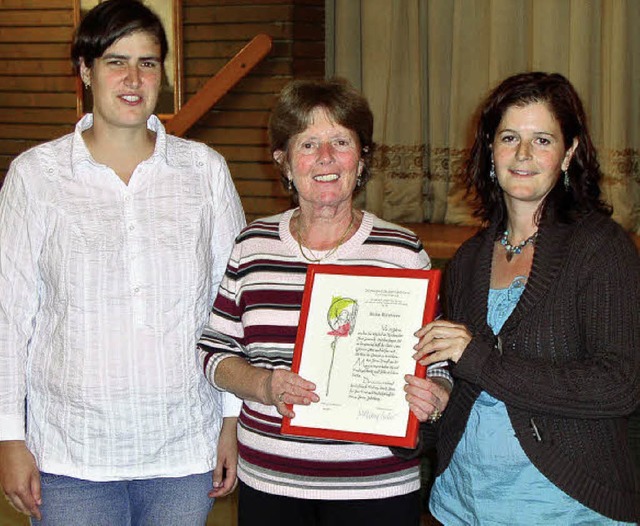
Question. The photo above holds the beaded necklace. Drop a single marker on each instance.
(314, 258)
(511, 250)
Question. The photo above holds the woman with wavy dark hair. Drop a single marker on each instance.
(542, 327)
(583, 175)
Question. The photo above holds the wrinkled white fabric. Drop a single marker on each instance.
(104, 290)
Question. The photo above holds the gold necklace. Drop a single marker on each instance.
(332, 251)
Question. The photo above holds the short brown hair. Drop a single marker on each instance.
(110, 21)
(342, 103)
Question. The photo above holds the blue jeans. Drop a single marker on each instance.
(181, 501)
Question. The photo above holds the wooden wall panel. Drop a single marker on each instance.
(37, 86)
(214, 30)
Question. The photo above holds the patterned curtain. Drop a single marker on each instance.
(425, 65)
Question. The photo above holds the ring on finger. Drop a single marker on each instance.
(280, 397)
(435, 416)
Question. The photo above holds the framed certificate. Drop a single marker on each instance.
(355, 342)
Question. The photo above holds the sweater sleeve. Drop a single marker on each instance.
(591, 330)
(223, 335)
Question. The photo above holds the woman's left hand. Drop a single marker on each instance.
(427, 397)
(441, 340)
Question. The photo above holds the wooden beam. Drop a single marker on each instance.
(219, 84)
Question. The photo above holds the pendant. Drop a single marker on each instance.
(510, 250)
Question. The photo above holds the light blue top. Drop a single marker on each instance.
(490, 480)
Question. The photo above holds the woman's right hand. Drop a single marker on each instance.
(427, 397)
(20, 478)
(441, 340)
(283, 387)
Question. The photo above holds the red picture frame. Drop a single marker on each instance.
(377, 286)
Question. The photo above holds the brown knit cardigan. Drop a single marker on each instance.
(566, 363)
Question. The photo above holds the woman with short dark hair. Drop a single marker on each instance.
(113, 240)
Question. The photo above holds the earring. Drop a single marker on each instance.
(359, 181)
(290, 185)
(492, 172)
(565, 179)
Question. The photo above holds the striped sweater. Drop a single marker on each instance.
(256, 316)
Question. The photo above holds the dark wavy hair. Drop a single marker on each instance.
(110, 21)
(562, 100)
(342, 102)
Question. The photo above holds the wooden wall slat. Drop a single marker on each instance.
(264, 171)
(252, 84)
(311, 49)
(28, 50)
(38, 84)
(231, 14)
(246, 101)
(205, 69)
(12, 147)
(305, 31)
(38, 18)
(21, 34)
(308, 68)
(233, 119)
(44, 67)
(237, 136)
(314, 14)
(235, 153)
(261, 188)
(218, 3)
(246, 32)
(37, 116)
(5, 161)
(36, 101)
(271, 85)
(228, 48)
(34, 4)
(262, 206)
(40, 132)
(200, 49)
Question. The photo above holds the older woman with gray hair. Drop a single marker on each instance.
(321, 139)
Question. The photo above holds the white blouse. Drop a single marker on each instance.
(104, 291)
